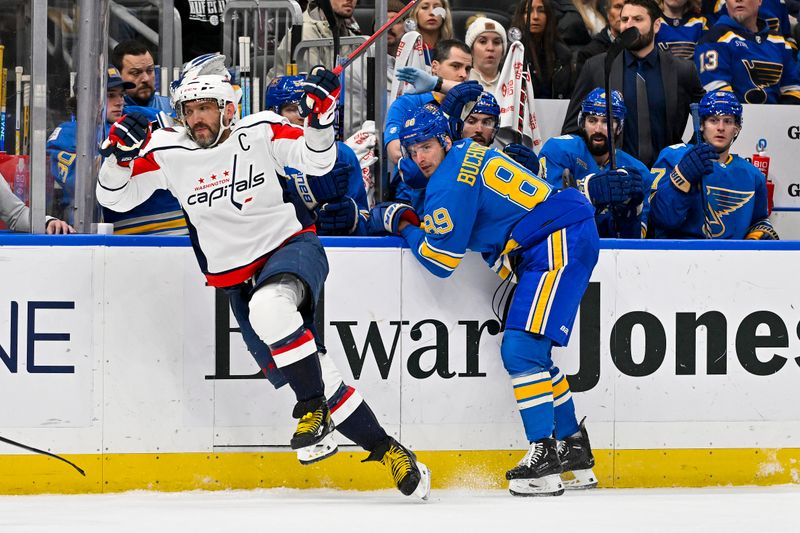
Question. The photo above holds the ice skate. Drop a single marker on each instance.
(410, 476)
(538, 473)
(576, 458)
(313, 440)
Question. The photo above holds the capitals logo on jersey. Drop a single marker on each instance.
(227, 185)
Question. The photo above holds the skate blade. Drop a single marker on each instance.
(423, 489)
(319, 451)
(580, 480)
(544, 486)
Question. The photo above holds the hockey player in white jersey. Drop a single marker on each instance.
(256, 241)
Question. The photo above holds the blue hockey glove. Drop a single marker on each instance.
(695, 163)
(458, 104)
(321, 94)
(524, 156)
(421, 81)
(613, 187)
(126, 137)
(635, 187)
(385, 218)
(316, 190)
(338, 218)
(411, 174)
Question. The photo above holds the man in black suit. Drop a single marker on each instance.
(657, 86)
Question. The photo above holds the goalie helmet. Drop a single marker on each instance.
(720, 103)
(428, 122)
(282, 91)
(595, 104)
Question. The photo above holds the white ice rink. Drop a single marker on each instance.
(724, 510)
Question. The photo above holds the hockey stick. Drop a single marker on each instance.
(698, 138)
(624, 40)
(330, 16)
(355, 54)
(37, 450)
(18, 113)
(2, 100)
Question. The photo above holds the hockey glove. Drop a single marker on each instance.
(318, 106)
(126, 137)
(338, 218)
(609, 187)
(421, 81)
(762, 231)
(385, 218)
(524, 156)
(695, 163)
(410, 173)
(458, 104)
(316, 190)
(635, 187)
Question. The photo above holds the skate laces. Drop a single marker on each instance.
(561, 447)
(310, 421)
(399, 463)
(534, 454)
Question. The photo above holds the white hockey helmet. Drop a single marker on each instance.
(205, 87)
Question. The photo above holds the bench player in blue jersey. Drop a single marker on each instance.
(338, 199)
(617, 195)
(704, 191)
(478, 199)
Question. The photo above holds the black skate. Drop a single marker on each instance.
(410, 476)
(538, 474)
(576, 458)
(313, 440)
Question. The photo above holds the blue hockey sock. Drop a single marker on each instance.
(566, 423)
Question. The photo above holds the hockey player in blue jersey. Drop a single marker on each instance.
(338, 199)
(681, 28)
(478, 199)
(741, 54)
(617, 195)
(704, 191)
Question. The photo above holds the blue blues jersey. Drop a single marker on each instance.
(734, 196)
(355, 188)
(400, 111)
(161, 214)
(474, 200)
(773, 12)
(759, 68)
(156, 101)
(413, 197)
(570, 152)
(680, 36)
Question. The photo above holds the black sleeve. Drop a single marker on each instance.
(583, 86)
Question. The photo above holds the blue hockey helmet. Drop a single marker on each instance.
(720, 103)
(487, 105)
(595, 104)
(283, 90)
(428, 122)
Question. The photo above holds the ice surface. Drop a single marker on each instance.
(725, 510)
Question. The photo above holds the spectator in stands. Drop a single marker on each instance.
(201, 26)
(487, 40)
(658, 87)
(602, 41)
(741, 54)
(549, 59)
(704, 191)
(17, 216)
(315, 26)
(681, 27)
(434, 21)
(136, 65)
(578, 21)
(393, 35)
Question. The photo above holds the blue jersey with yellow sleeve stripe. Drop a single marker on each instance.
(774, 12)
(759, 68)
(571, 153)
(473, 200)
(734, 196)
(680, 36)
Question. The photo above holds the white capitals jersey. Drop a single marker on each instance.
(235, 207)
